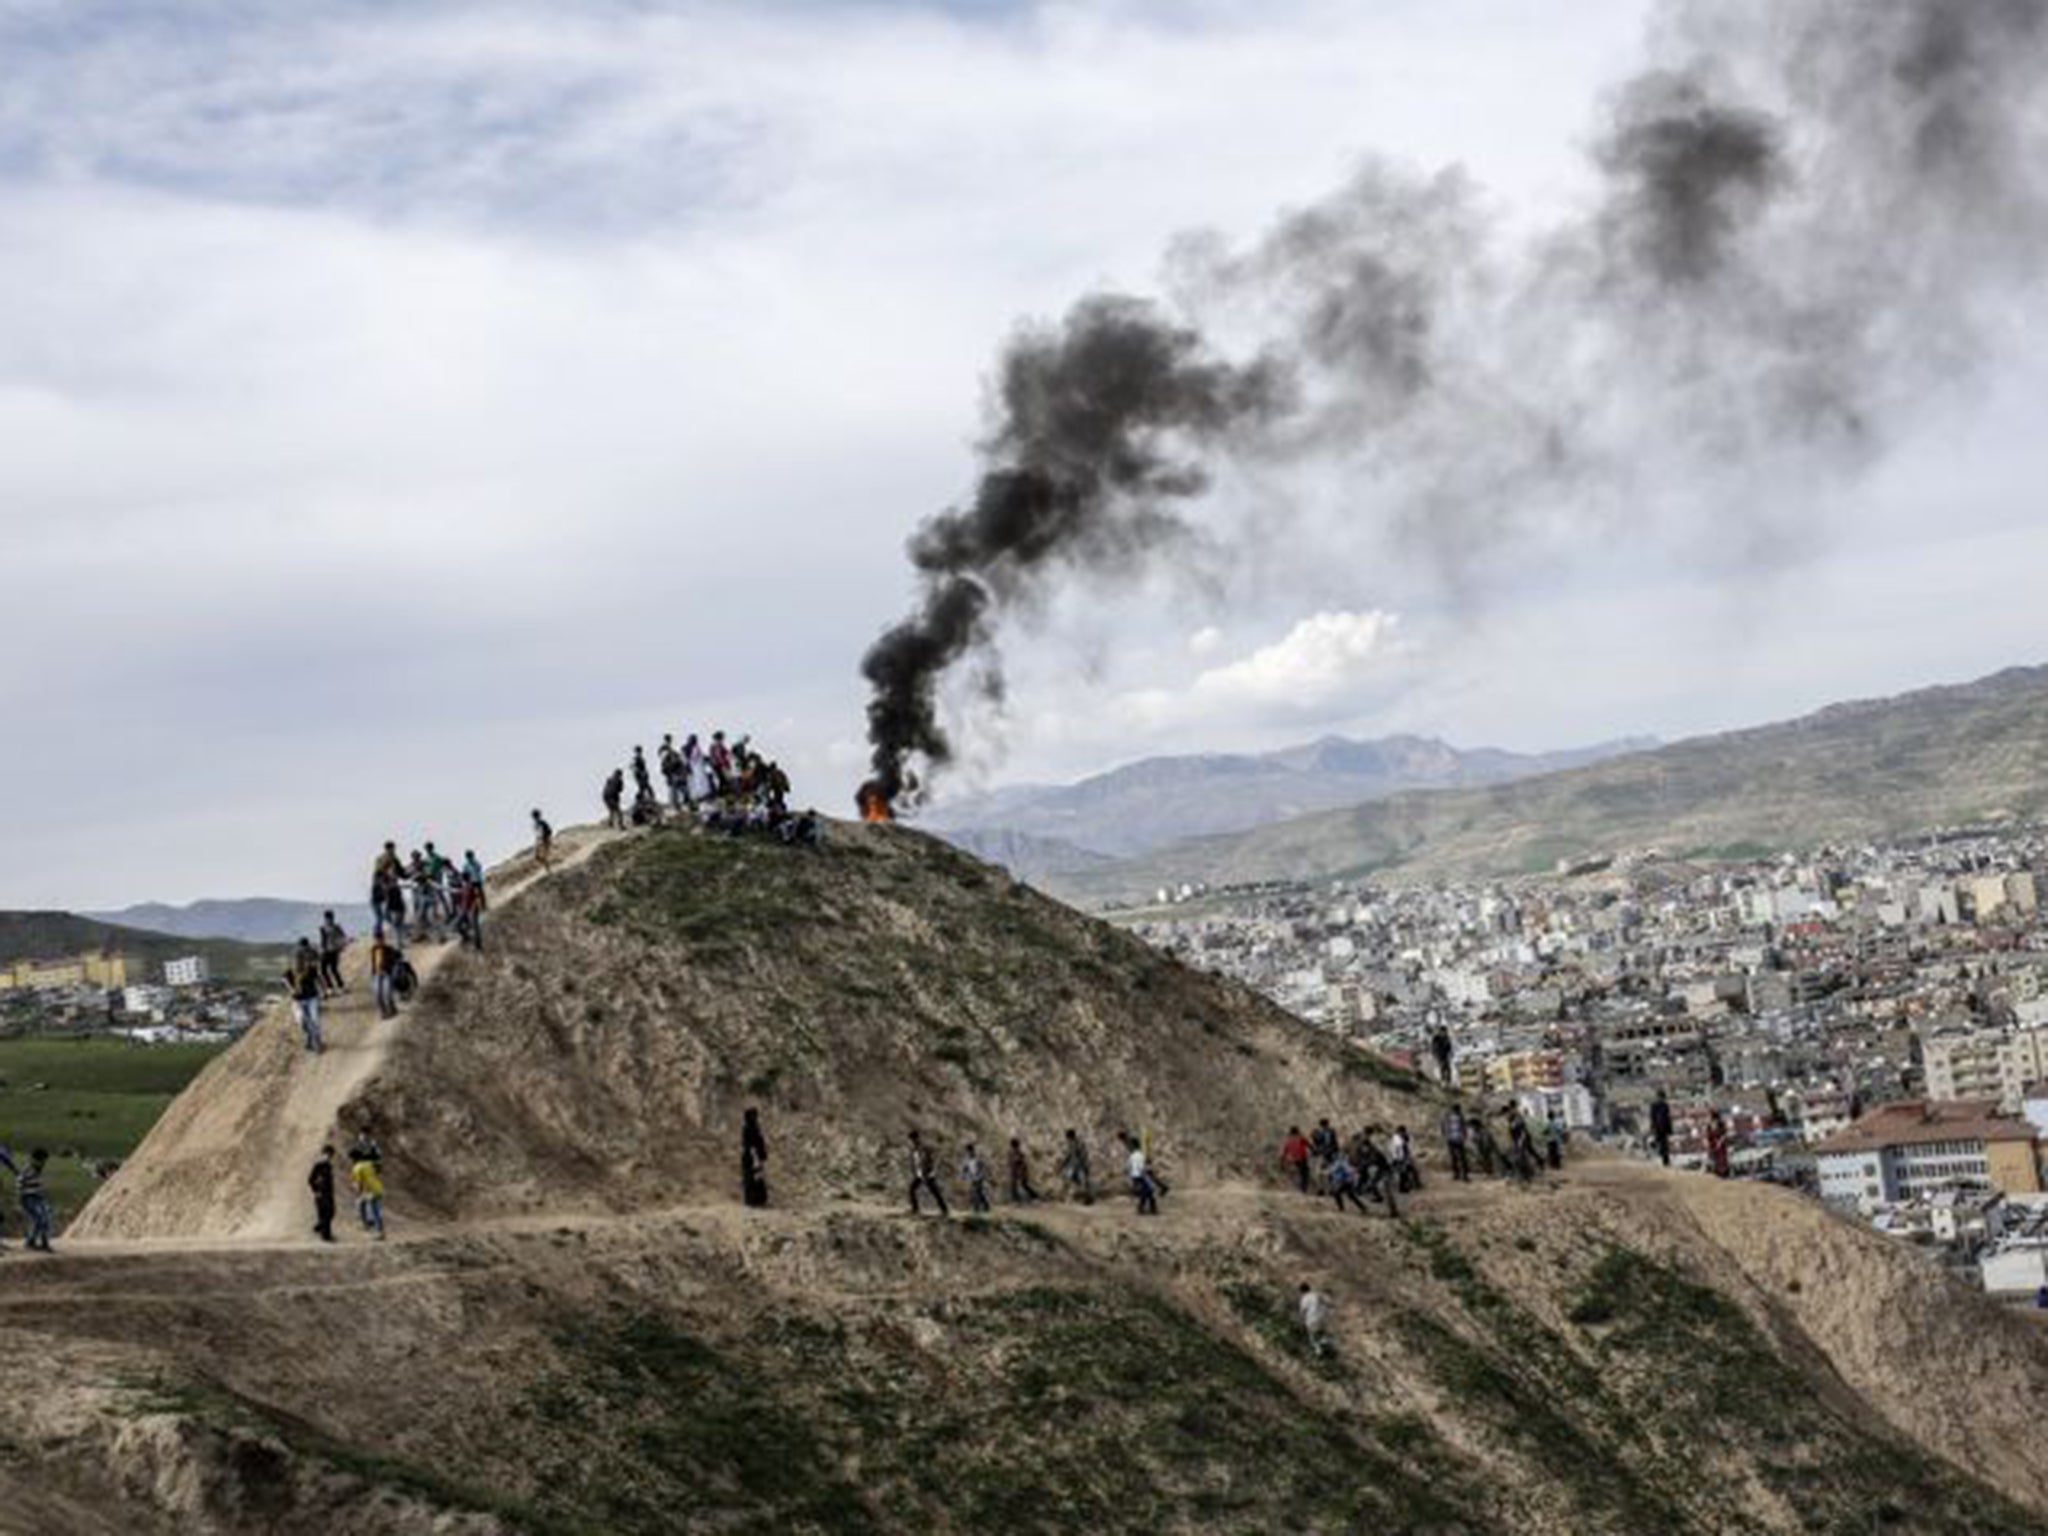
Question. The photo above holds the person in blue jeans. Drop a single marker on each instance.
(35, 1199)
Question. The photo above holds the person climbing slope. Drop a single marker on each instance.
(368, 1181)
(1139, 1169)
(543, 841)
(974, 1174)
(332, 942)
(753, 1160)
(302, 978)
(1294, 1158)
(1315, 1316)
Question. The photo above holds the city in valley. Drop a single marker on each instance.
(1870, 1023)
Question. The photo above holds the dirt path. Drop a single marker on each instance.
(227, 1161)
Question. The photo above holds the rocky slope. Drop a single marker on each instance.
(577, 1329)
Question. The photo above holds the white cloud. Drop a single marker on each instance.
(1321, 661)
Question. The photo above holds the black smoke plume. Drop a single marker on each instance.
(1806, 214)
(1100, 426)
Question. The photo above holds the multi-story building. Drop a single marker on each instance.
(188, 972)
(1913, 1149)
(1976, 1064)
(109, 971)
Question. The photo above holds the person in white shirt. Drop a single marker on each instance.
(1315, 1312)
(1142, 1188)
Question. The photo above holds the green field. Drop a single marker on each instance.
(84, 1100)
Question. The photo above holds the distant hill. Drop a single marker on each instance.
(1151, 804)
(60, 935)
(251, 919)
(1940, 756)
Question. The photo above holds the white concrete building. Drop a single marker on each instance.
(191, 971)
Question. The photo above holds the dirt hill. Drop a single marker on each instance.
(576, 1328)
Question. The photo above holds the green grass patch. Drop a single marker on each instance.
(86, 1100)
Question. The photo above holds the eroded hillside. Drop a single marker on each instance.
(577, 1329)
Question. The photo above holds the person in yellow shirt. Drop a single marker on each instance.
(369, 1187)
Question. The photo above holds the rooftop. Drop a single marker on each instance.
(1911, 1121)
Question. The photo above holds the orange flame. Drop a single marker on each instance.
(874, 805)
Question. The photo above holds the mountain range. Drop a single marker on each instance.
(249, 920)
(1064, 829)
(60, 935)
(1940, 756)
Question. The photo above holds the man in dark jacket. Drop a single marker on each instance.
(321, 1182)
(1660, 1127)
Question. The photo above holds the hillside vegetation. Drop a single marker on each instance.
(1941, 756)
(577, 1329)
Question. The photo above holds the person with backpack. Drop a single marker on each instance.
(753, 1160)
(543, 841)
(302, 978)
(1294, 1158)
(974, 1174)
(33, 1192)
(1322, 1146)
(321, 1182)
(1021, 1192)
(1074, 1171)
(924, 1176)
(332, 942)
(614, 801)
(1455, 1135)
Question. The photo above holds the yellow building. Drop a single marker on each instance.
(109, 971)
(1518, 1070)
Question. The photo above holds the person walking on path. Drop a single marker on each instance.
(1660, 1127)
(332, 942)
(1401, 1153)
(473, 872)
(1342, 1179)
(1522, 1156)
(1454, 1142)
(368, 1180)
(1553, 1141)
(1440, 1048)
(753, 1160)
(1315, 1317)
(1021, 1192)
(974, 1174)
(924, 1170)
(34, 1195)
(543, 841)
(302, 976)
(1484, 1144)
(321, 1182)
(1294, 1158)
(1323, 1147)
(1143, 1188)
(1074, 1170)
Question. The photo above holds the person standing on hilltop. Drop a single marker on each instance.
(302, 977)
(753, 1160)
(1074, 1170)
(1021, 1192)
(924, 1176)
(1660, 1127)
(473, 872)
(332, 942)
(719, 756)
(543, 841)
(974, 1174)
(614, 799)
(1440, 1048)
(1294, 1158)
(670, 762)
(1717, 1144)
(321, 1182)
(643, 784)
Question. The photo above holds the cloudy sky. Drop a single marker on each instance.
(408, 407)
